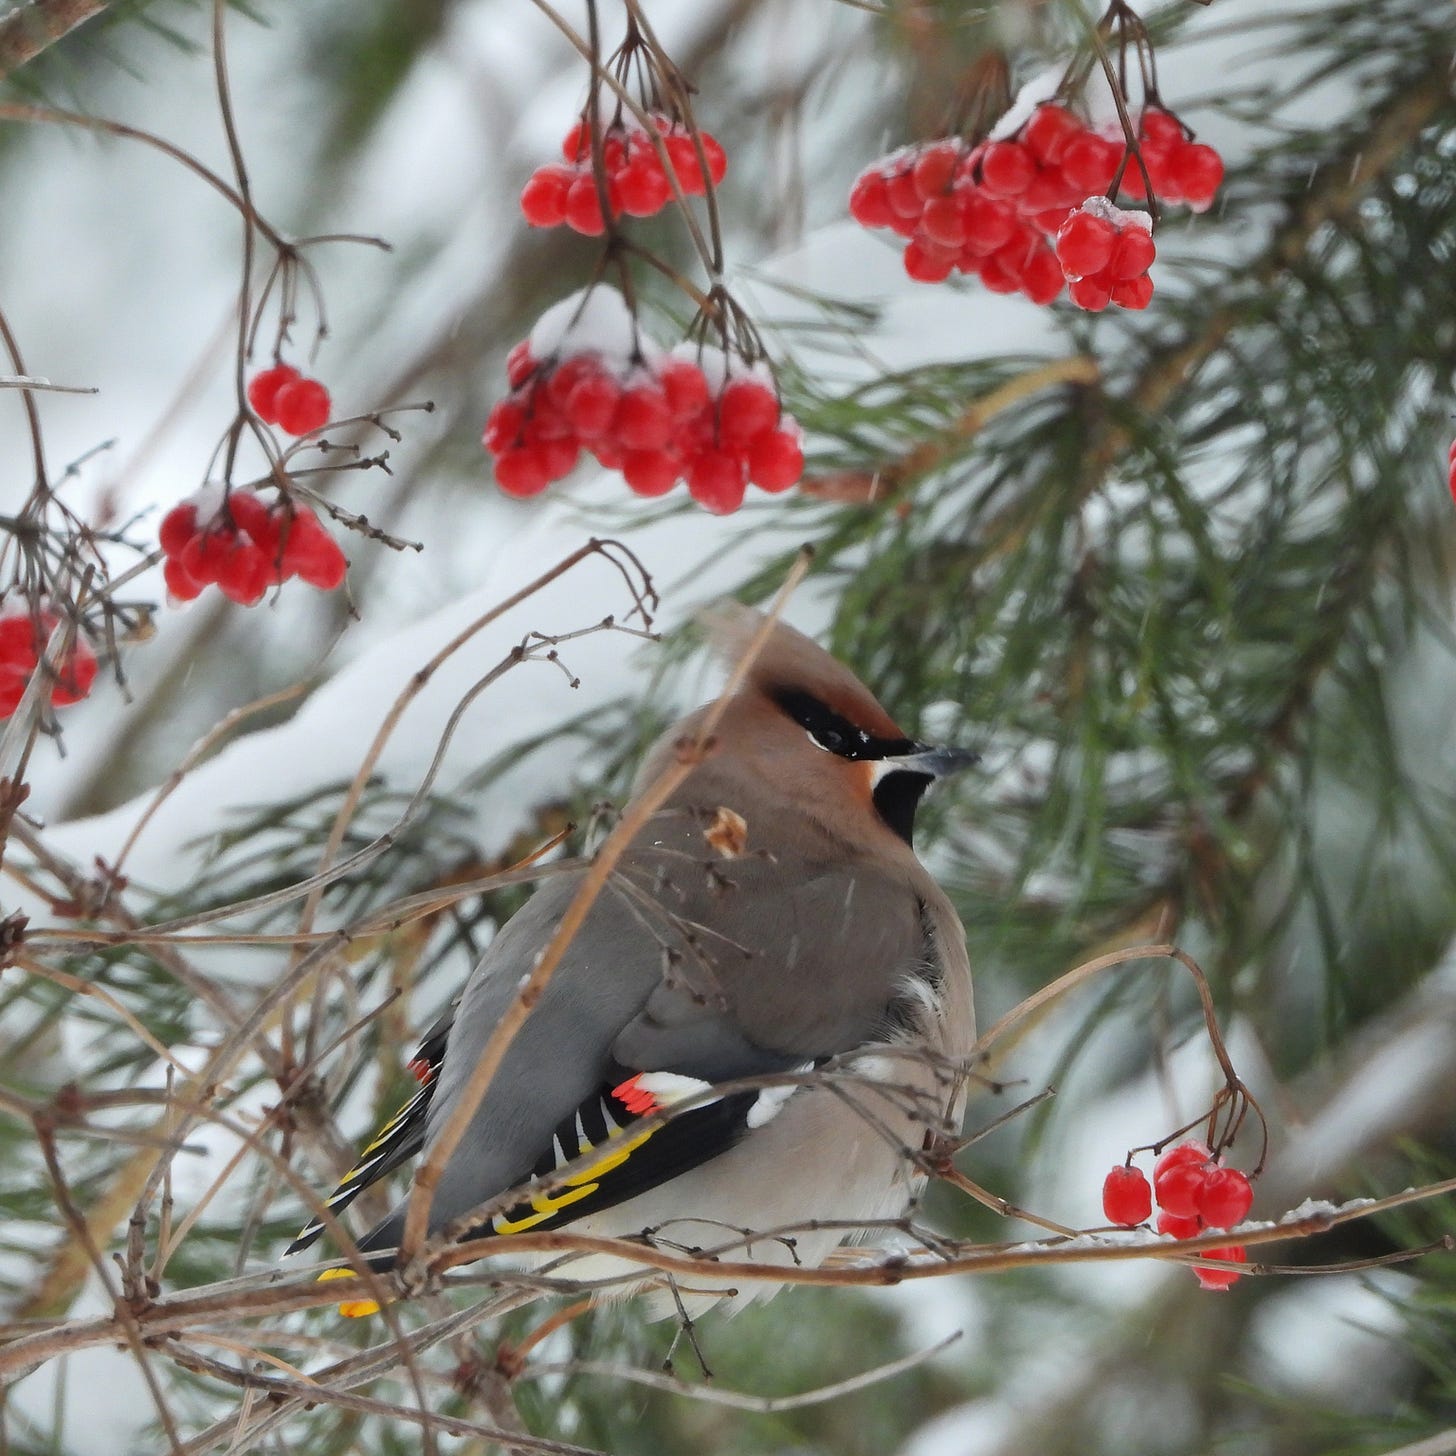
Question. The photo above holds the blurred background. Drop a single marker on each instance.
(1193, 595)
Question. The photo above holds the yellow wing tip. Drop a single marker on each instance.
(351, 1308)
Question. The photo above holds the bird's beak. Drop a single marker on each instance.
(936, 762)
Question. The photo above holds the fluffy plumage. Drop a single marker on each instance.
(823, 944)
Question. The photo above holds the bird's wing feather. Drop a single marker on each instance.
(686, 965)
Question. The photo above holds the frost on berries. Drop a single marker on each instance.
(996, 209)
(281, 396)
(589, 379)
(25, 632)
(637, 183)
(1105, 254)
(1195, 1193)
(242, 545)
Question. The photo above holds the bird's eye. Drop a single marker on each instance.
(830, 738)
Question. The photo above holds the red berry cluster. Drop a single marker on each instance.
(243, 546)
(637, 182)
(1180, 170)
(991, 209)
(281, 396)
(1105, 254)
(1451, 464)
(588, 380)
(1194, 1192)
(23, 638)
(962, 209)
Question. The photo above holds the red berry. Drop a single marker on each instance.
(75, 673)
(1180, 1188)
(746, 408)
(1084, 244)
(934, 169)
(1179, 1227)
(592, 405)
(1200, 171)
(1001, 272)
(685, 165)
(503, 425)
(650, 472)
(584, 207)
(942, 222)
(205, 554)
(905, 200)
(12, 689)
(1089, 163)
(1134, 293)
(643, 187)
(263, 390)
(543, 198)
(245, 574)
(1126, 1197)
(1007, 169)
(1090, 293)
(325, 565)
(1192, 1151)
(644, 418)
(1049, 132)
(302, 407)
(574, 147)
(869, 202)
(17, 642)
(716, 481)
(1041, 275)
(685, 387)
(1050, 222)
(559, 456)
(181, 584)
(776, 460)
(178, 527)
(1225, 1198)
(717, 157)
(927, 262)
(1160, 128)
(1049, 188)
(520, 364)
(1221, 1278)
(989, 223)
(522, 471)
(1133, 254)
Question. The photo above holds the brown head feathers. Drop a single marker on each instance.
(790, 663)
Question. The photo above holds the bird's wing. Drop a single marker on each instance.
(397, 1141)
(690, 971)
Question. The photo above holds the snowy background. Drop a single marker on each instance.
(118, 271)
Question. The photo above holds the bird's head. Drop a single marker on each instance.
(804, 730)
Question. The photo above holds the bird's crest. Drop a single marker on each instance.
(791, 662)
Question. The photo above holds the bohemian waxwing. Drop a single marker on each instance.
(823, 948)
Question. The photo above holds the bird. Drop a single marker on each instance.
(771, 921)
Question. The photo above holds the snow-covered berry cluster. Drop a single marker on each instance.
(1195, 1193)
(959, 216)
(241, 545)
(992, 209)
(637, 182)
(281, 396)
(587, 378)
(24, 634)
(1105, 254)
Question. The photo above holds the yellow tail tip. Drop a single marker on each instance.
(351, 1308)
